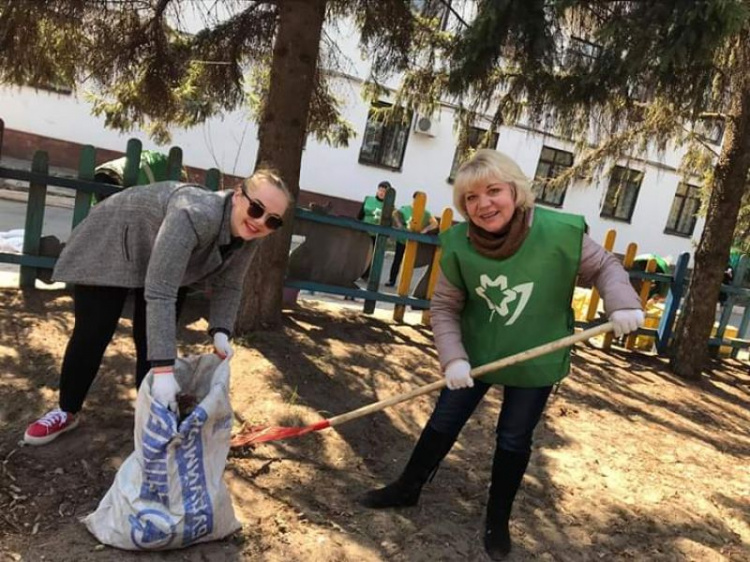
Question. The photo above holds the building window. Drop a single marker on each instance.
(684, 210)
(474, 138)
(54, 86)
(581, 53)
(433, 9)
(710, 129)
(622, 194)
(551, 163)
(384, 143)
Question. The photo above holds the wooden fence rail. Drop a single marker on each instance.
(39, 179)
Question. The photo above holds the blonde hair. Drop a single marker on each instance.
(487, 165)
(272, 177)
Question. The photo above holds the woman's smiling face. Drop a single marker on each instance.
(272, 200)
(490, 204)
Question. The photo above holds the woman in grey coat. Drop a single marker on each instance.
(155, 241)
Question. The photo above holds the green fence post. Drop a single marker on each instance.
(132, 163)
(742, 329)
(174, 164)
(737, 281)
(86, 166)
(672, 304)
(32, 233)
(213, 179)
(728, 306)
(378, 254)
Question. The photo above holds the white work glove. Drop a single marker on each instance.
(221, 345)
(164, 387)
(627, 320)
(457, 374)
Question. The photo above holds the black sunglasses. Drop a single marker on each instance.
(256, 210)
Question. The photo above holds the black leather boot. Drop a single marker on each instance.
(507, 473)
(404, 492)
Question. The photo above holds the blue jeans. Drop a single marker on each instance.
(521, 410)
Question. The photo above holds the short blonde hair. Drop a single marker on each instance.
(487, 165)
(272, 177)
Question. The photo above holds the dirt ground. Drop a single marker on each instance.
(630, 463)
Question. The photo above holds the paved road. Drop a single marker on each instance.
(57, 220)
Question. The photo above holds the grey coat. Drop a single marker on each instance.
(160, 237)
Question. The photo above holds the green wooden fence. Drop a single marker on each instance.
(39, 179)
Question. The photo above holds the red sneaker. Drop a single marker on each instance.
(49, 426)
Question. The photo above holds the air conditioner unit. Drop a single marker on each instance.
(425, 125)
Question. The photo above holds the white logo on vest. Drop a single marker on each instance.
(507, 296)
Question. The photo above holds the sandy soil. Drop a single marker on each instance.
(630, 462)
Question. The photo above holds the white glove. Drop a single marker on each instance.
(457, 374)
(164, 388)
(627, 320)
(221, 345)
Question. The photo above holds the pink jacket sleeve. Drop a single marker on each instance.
(606, 273)
(445, 315)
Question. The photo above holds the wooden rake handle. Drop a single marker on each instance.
(477, 372)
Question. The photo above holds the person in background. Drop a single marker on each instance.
(154, 168)
(505, 285)
(401, 219)
(154, 241)
(371, 212)
(726, 279)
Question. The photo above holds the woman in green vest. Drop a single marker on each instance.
(372, 207)
(371, 212)
(506, 283)
(401, 219)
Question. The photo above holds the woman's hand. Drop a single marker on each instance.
(458, 374)
(627, 320)
(164, 387)
(221, 345)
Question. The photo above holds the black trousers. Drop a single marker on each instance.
(97, 311)
(398, 257)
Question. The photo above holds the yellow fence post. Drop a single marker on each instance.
(609, 243)
(446, 221)
(645, 290)
(627, 263)
(410, 254)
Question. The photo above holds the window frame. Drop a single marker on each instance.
(540, 198)
(702, 127)
(395, 128)
(684, 198)
(456, 153)
(576, 48)
(423, 7)
(614, 184)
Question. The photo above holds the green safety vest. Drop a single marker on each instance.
(373, 210)
(153, 167)
(519, 302)
(407, 211)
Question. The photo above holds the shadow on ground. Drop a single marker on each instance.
(620, 439)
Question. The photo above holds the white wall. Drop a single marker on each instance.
(217, 143)
(230, 144)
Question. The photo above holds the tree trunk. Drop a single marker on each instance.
(690, 351)
(282, 136)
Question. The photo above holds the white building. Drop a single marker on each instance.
(653, 209)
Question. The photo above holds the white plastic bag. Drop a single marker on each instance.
(169, 493)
